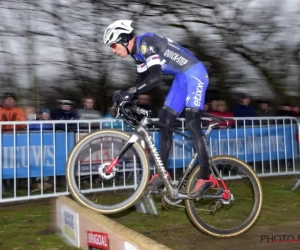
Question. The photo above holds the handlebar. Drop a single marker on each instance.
(129, 110)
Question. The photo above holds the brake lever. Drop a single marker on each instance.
(113, 108)
(118, 112)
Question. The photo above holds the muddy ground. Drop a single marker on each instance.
(277, 228)
(185, 237)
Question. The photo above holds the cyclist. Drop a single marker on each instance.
(154, 55)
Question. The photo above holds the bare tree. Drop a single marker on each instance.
(58, 45)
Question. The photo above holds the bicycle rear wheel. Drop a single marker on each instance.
(100, 193)
(232, 217)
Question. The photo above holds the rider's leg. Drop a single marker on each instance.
(173, 106)
(167, 117)
(193, 125)
(197, 82)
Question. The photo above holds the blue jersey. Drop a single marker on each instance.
(191, 79)
(152, 48)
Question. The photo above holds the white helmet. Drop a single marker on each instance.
(118, 31)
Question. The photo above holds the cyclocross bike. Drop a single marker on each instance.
(108, 171)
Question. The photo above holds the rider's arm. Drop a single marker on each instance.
(150, 74)
(142, 73)
(153, 78)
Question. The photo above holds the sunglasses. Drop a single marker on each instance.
(113, 45)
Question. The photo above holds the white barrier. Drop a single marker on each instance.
(88, 229)
(270, 145)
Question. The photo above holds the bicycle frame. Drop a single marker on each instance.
(142, 130)
(99, 197)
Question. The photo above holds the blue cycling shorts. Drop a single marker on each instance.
(188, 89)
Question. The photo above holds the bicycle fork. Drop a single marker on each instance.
(109, 171)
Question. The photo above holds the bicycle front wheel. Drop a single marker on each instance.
(104, 194)
(226, 217)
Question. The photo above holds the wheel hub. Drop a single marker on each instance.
(102, 172)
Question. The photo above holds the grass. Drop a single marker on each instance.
(31, 226)
(280, 206)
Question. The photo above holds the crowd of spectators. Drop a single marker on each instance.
(9, 111)
(245, 107)
(64, 111)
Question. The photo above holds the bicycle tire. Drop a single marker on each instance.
(71, 169)
(198, 220)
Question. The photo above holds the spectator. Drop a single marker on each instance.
(244, 109)
(206, 107)
(213, 105)
(285, 109)
(43, 115)
(10, 112)
(264, 109)
(296, 111)
(30, 113)
(88, 113)
(222, 111)
(64, 112)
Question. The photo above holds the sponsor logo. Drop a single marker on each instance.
(175, 57)
(69, 228)
(98, 240)
(144, 48)
(198, 94)
(70, 225)
(155, 154)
